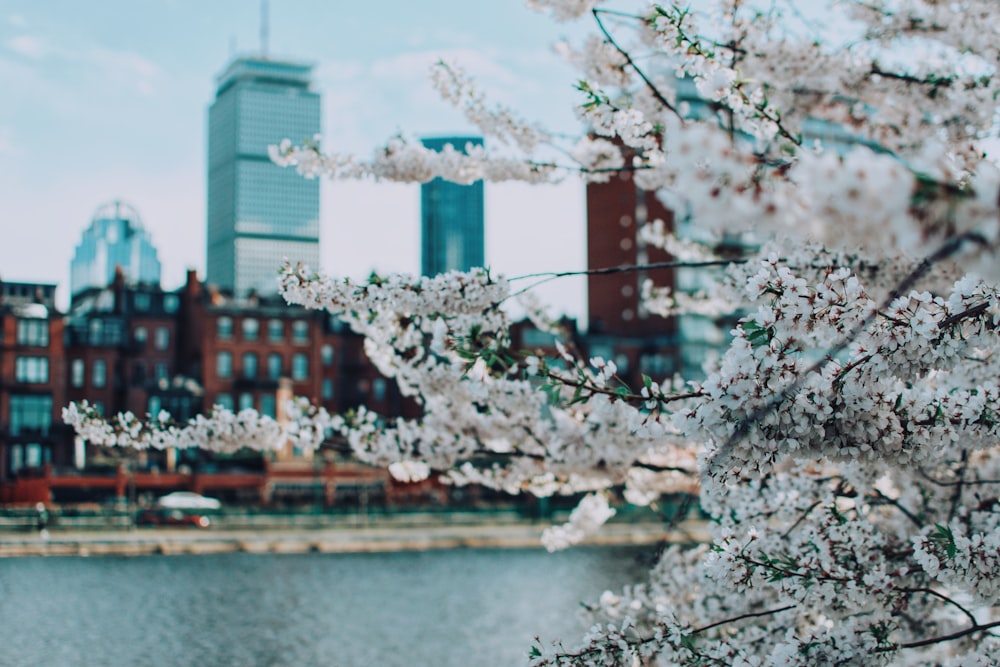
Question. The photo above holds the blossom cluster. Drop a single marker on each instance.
(845, 443)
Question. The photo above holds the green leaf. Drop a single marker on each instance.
(757, 335)
(944, 539)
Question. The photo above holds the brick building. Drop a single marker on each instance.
(619, 328)
(238, 349)
(121, 343)
(32, 390)
(139, 348)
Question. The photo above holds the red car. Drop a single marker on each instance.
(162, 517)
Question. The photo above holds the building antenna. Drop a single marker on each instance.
(263, 28)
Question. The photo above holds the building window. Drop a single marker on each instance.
(378, 389)
(162, 338)
(154, 406)
(140, 335)
(139, 372)
(16, 458)
(300, 331)
(30, 414)
(96, 332)
(275, 331)
(34, 370)
(224, 401)
(77, 372)
(224, 328)
(250, 365)
(142, 304)
(274, 365)
(246, 401)
(99, 373)
(326, 389)
(170, 303)
(33, 332)
(326, 354)
(300, 366)
(251, 329)
(161, 372)
(31, 455)
(224, 364)
(267, 405)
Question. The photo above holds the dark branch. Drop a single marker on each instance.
(959, 482)
(756, 614)
(649, 84)
(624, 268)
(945, 638)
(944, 598)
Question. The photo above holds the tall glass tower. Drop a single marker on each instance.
(259, 213)
(451, 218)
(114, 239)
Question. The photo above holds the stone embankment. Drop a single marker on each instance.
(172, 541)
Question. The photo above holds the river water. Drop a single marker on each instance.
(437, 608)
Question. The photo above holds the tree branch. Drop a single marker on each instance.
(625, 268)
(944, 598)
(944, 252)
(649, 84)
(944, 638)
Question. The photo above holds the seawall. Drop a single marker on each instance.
(174, 541)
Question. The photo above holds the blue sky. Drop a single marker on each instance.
(108, 99)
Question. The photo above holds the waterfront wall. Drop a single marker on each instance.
(378, 538)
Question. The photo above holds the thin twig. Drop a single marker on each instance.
(756, 614)
(959, 482)
(944, 598)
(944, 638)
(886, 500)
(625, 268)
(649, 84)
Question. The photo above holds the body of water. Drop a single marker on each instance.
(436, 608)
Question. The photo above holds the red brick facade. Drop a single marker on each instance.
(618, 327)
(32, 372)
(139, 348)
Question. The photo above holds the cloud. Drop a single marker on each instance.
(17, 21)
(106, 63)
(120, 60)
(339, 71)
(416, 64)
(28, 46)
(122, 65)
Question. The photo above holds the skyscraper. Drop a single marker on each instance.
(115, 238)
(259, 213)
(451, 218)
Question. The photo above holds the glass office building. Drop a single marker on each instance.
(259, 213)
(452, 228)
(115, 239)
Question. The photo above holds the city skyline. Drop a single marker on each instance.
(107, 108)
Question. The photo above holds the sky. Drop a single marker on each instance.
(108, 99)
